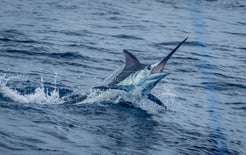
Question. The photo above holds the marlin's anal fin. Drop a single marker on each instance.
(156, 100)
(130, 60)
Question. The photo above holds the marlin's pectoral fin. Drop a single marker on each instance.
(119, 87)
(102, 88)
(155, 99)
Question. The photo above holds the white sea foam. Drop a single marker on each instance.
(39, 96)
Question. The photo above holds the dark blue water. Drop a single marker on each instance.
(53, 50)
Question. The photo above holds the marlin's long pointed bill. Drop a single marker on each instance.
(160, 67)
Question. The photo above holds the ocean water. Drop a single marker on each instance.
(51, 51)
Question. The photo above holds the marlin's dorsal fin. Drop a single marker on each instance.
(131, 65)
(130, 60)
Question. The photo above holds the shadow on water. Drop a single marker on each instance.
(116, 128)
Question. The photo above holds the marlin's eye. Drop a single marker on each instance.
(148, 67)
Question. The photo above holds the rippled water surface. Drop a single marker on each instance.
(53, 50)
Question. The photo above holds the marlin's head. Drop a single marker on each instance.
(139, 75)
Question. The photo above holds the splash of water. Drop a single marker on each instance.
(39, 96)
(111, 76)
(166, 94)
(43, 96)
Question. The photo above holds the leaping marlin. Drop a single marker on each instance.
(140, 77)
